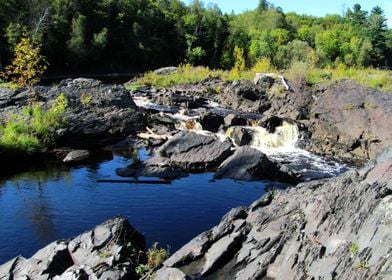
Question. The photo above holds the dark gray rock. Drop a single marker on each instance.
(157, 166)
(233, 119)
(76, 156)
(246, 164)
(294, 103)
(271, 123)
(328, 229)
(244, 96)
(250, 164)
(211, 121)
(109, 251)
(195, 152)
(184, 142)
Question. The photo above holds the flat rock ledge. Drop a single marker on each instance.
(339, 228)
(109, 251)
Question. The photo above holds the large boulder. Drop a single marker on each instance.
(250, 164)
(211, 121)
(109, 251)
(328, 229)
(196, 152)
(350, 120)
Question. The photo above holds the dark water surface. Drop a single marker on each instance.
(38, 207)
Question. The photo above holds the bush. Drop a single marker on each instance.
(27, 66)
(34, 129)
(263, 66)
(155, 257)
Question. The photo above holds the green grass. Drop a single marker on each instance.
(8, 85)
(34, 129)
(155, 257)
(353, 249)
(369, 77)
(188, 75)
(133, 86)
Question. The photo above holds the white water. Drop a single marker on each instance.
(280, 146)
(282, 140)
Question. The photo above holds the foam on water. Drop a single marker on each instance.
(145, 102)
(282, 140)
(281, 146)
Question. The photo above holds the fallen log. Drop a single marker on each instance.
(152, 136)
(148, 182)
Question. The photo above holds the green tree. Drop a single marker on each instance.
(77, 43)
(377, 28)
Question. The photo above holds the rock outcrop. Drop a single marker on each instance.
(109, 251)
(350, 120)
(339, 228)
(95, 111)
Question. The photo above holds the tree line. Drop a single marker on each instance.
(134, 35)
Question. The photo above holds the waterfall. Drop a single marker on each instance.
(283, 139)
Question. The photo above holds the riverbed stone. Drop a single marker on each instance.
(76, 156)
(250, 164)
(94, 110)
(211, 121)
(195, 152)
(245, 164)
(159, 167)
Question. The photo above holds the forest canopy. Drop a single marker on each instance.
(136, 35)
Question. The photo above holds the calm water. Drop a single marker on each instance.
(40, 206)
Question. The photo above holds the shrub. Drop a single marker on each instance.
(239, 63)
(28, 64)
(263, 66)
(155, 257)
(34, 129)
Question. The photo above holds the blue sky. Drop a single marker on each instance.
(312, 7)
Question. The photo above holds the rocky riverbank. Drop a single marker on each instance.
(339, 228)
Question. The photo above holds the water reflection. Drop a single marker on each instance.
(39, 211)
